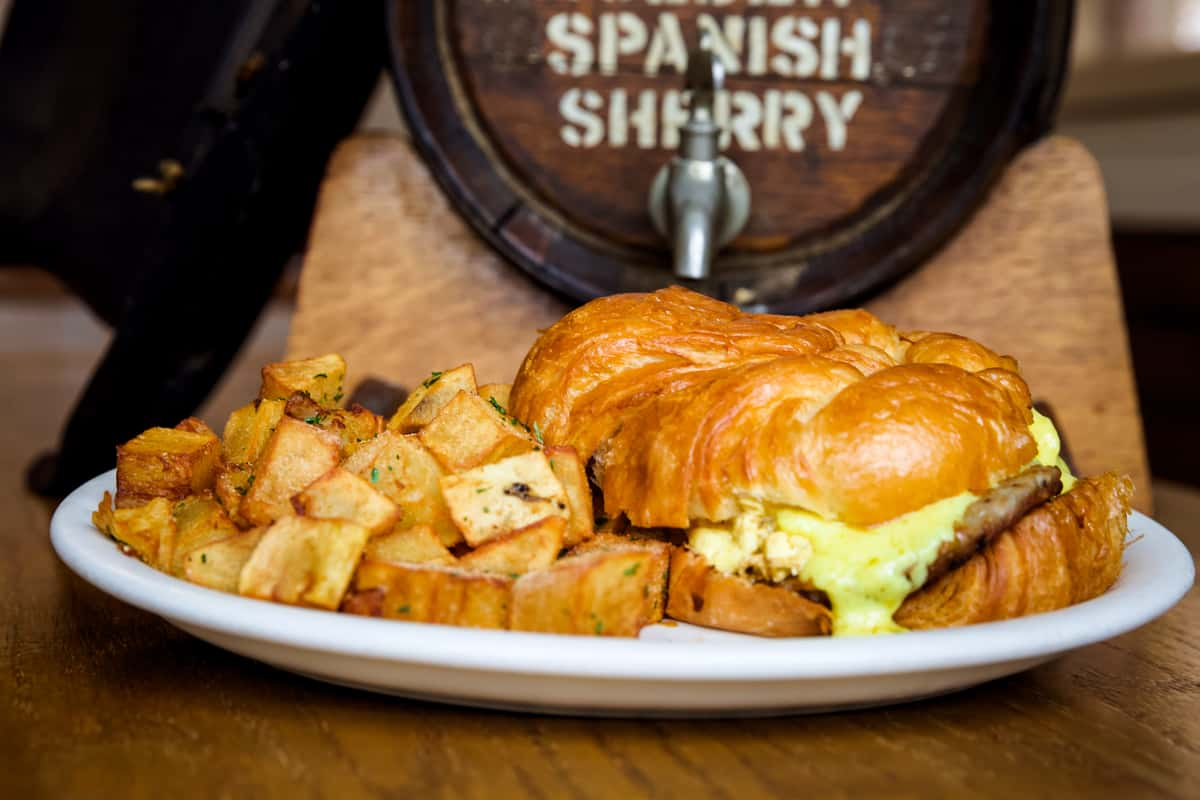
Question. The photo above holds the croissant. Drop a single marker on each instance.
(774, 440)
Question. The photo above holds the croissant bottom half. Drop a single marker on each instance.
(1063, 552)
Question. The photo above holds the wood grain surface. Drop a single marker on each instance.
(868, 131)
(396, 282)
(100, 700)
(927, 50)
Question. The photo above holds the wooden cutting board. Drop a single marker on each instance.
(395, 281)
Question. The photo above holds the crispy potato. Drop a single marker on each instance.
(495, 499)
(199, 519)
(218, 564)
(497, 393)
(427, 400)
(230, 486)
(295, 456)
(165, 462)
(321, 378)
(416, 545)
(532, 547)
(425, 593)
(194, 425)
(658, 561)
(402, 470)
(304, 561)
(568, 468)
(147, 531)
(354, 425)
(468, 432)
(339, 494)
(605, 593)
(248, 429)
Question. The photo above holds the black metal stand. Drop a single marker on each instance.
(176, 231)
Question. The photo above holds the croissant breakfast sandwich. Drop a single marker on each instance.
(822, 474)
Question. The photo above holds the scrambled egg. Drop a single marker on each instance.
(866, 572)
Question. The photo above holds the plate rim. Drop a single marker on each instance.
(93, 557)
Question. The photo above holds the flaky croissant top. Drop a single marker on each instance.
(690, 405)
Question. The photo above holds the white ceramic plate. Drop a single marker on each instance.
(669, 671)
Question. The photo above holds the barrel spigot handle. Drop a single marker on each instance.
(699, 200)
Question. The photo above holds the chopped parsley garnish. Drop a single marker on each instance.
(243, 489)
(404, 609)
(599, 627)
(431, 380)
(481, 490)
(496, 405)
(315, 419)
(204, 558)
(337, 397)
(320, 375)
(633, 568)
(374, 475)
(537, 433)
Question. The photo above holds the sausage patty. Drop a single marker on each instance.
(995, 513)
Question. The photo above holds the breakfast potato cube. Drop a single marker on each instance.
(657, 565)
(218, 564)
(402, 470)
(532, 547)
(295, 456)
(568, 468)
(417, 545)
(321, 378)
(230, 486)
(194, 425)
(495, 499)
(496, 394)
(424, 593)
(354, 425)
(248, 429)
(468, 432)
(427, 400)
(165, 462)
(147, 531)
(605, 593)
(339, 494)
(304, 561)
(199, 519)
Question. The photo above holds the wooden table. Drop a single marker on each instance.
(100, 700)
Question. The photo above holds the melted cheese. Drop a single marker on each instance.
(866, 572)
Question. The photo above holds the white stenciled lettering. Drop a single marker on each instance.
(747, 116)
(726, 41)
(674, 114)
(577, 107)
(621, 34)
(799, 117)
(570, 32)
(858, 47)
(794, 36)
(756, 46)
(667, 46)
(836, 114)
(644, 120)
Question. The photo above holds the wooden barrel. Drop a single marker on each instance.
(868, 129)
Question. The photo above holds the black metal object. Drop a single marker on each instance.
(185, 185)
